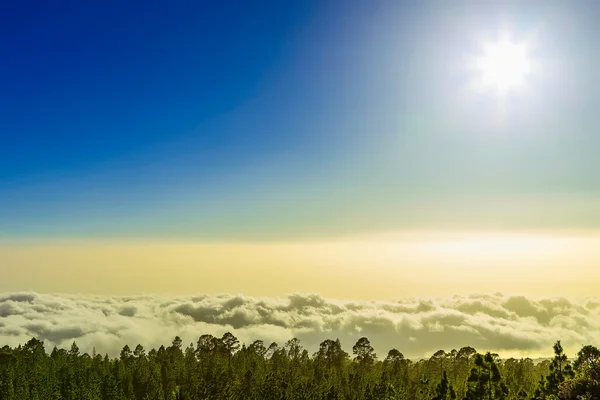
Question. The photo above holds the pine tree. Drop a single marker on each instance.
(485, 381)
(444, 390)
(7, 370)
(560, 371)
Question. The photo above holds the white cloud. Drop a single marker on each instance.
(416, 327)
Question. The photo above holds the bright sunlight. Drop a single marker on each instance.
(504, 65)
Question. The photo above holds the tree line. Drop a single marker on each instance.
(221, 368)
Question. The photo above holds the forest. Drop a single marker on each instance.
(223, 368)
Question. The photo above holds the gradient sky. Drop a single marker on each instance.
(292, 123)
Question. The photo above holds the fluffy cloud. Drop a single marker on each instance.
(417, 327)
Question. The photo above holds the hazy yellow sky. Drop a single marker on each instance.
(383, 266)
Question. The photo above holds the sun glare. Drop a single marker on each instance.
(504, 65)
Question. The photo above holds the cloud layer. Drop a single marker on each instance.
(509, 325)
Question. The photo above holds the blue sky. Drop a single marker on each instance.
(273, 119)
(95, 82)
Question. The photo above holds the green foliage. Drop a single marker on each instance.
(580, 388)
(364, 352)
(559, 370)
(485, 380)
(444, 390)
(221, 368)
(587, 363)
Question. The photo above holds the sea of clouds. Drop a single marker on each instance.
(509, 325)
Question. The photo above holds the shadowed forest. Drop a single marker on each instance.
(222, 368)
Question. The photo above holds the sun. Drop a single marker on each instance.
(503, 65)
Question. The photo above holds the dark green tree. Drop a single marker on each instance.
(464, 359)
(559, 370)
(587, 363)
(231, 345)
(7, 371)
(444, 391)
(364, 352)
(437, 359)
(579, 389)
(485, 381)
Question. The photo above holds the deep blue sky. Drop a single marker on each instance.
(86, 82)
(231, 118)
